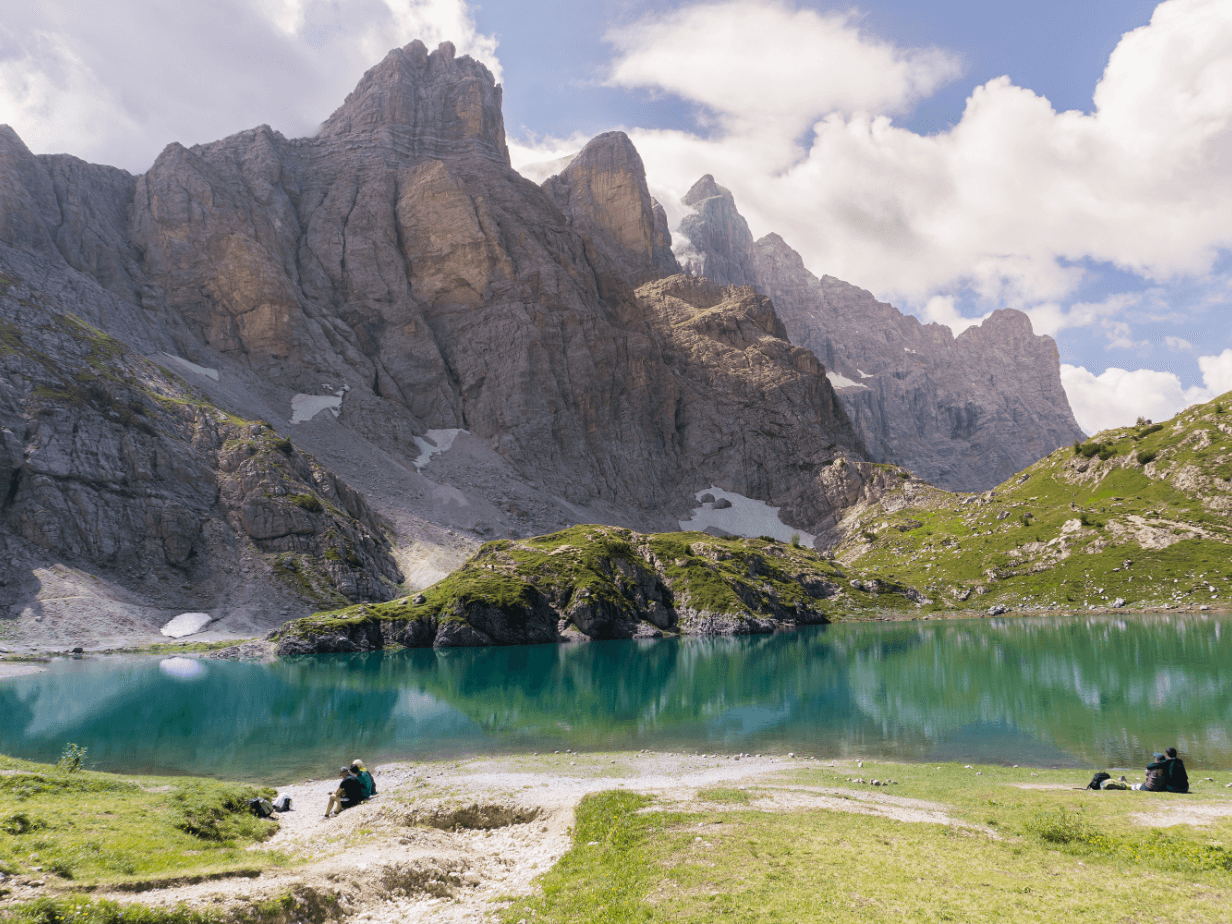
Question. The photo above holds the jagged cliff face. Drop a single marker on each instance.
(603, 194)
(396, 268)
(963, 412)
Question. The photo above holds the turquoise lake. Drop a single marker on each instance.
(1085, 692)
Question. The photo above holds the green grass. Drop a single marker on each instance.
(85, 828)
(1010, 854)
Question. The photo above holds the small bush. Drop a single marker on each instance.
(217, 813)
(1087, 450)
(795, 539)
(1059, 827)
(283, 444)
(1147, 456)
(21, 823)
(73, 758)
(309, 502)
(1154, 428)
(870, 536)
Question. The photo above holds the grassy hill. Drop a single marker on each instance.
(1140, 514)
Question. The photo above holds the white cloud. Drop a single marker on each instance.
(1177, 344)
(1118, 397)
(815, 64)
(940, 310)
(1217, 372)
(1010, 201)
(116, 82)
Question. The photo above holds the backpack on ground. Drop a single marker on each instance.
(261, 807)
(282, 804)
(1097, 779)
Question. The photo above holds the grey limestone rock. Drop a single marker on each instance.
(603, 194)
(963, 412)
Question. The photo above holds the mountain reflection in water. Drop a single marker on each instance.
(1085, 692)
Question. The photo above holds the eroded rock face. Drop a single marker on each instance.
(963, 412)
(603, 194)
(106, 460)
(756, 413)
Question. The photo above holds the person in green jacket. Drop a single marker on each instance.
(365, 779)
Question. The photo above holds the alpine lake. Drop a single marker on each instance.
(1063, 691)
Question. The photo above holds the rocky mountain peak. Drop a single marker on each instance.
(448, 105)
(964, 412)
(706, 188)
(718, 243)
(603, 194)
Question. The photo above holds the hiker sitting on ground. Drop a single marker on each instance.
(1175, 777)
(350, 792)
(1155, 780)
(365, 779)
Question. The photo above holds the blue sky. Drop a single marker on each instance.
(951, 157)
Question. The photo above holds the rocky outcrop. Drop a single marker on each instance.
(590, 582)
(603, 194)
(756, 413)
(963, 412)
(108, 461)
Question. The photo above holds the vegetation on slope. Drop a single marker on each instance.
(77, 829)
(1135, 517)
(606, 582)
(1137, 514)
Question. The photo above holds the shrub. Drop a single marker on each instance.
(795, 539)
(1059, 827)
(72, 759)
(217, 813)
(283, 444)
(309, 502)
(1147, 456)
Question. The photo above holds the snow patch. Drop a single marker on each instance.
(745, 517)
(841, 381)
(186, 624)
(306, 407)
(864, 375)
(184, 668)
(181, 363)
(432, 442)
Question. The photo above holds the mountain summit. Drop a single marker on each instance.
(436, 104)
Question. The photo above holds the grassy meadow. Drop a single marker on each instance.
(1006, 853)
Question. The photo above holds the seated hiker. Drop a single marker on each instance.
(365, 778)
(350, 792)
(1154, 781)
(1175, 777)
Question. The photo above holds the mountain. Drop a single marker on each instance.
(466, 351)
(963, 412)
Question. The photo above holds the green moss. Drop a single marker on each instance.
(309, 502)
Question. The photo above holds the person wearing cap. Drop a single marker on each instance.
(350, 792)
(1155, 781)
(365, 778)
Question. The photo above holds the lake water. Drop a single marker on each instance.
(1083, 692)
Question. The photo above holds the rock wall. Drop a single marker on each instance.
(963, 412)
